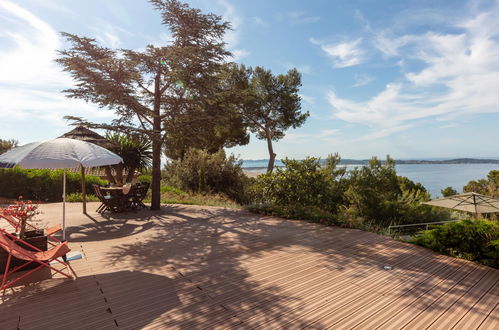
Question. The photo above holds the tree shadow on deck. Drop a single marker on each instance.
(124, 299)
(227, 254)
(104, 228)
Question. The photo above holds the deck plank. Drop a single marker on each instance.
(199, 267)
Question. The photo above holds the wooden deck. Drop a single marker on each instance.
(198, 267)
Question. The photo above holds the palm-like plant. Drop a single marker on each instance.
(136, 153)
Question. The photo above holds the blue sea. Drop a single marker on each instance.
(434, 177)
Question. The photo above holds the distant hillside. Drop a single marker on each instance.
(263, 162)
(422, 161)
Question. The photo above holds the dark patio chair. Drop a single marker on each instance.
(137, 194)
(111, 203)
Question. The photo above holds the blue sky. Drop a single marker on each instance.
(413, 79)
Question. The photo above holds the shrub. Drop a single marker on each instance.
(305, 183)
(41, 185)
(380, 198)
(476, 240)
(370, 197)
(202, 172)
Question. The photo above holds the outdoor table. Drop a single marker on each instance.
(120, 194)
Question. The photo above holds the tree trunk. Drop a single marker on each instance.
(270, 166)
(156, 148)
(119, 168)
(131, 173)
(109, 174)
(156, 166)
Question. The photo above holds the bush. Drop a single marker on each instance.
(380, 198)
(304, 183)
(202, 172)
(476, 240)
(370, 197)
(41, 185)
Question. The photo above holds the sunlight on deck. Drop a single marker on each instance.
(202, 267)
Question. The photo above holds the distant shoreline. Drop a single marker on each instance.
(247, 164)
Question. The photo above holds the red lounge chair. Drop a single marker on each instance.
(9, 243)
(16, 223)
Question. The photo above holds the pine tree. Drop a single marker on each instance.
(150, 90)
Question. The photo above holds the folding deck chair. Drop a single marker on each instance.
(16, 223)
(138, 194)
(106, 201)
(10, 244)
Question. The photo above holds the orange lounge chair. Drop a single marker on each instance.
(16, 223)
(9, 243)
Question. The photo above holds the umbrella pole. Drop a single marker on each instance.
(64, 206)
(83, 190)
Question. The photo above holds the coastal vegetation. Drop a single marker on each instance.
(370, 197)
(489, 186)
(475, 240)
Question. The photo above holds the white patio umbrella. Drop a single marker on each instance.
(468, 202)
(60, 153)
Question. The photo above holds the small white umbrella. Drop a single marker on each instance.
(469, 202)
(59, 153)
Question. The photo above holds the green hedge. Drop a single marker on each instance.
(476, 240)
(41, 185)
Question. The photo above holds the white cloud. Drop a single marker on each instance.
(238, 54)
(109, 34)
(459, 77)
(259, 21)
(362, 80)
(232, 37)
(308, 99)
(299, 17)
(30, 80)
(328, 133)
(304, 69)
(28, 49)
(343, 54)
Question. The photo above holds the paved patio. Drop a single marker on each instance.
(199, 267)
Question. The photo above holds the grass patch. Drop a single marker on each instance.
(172, 190)
(78, 198)
(172, 195)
